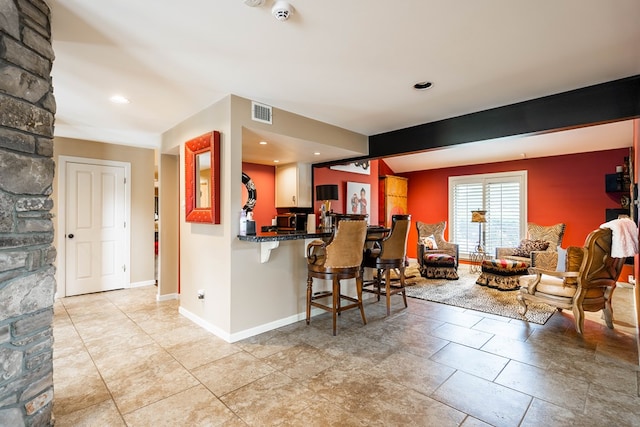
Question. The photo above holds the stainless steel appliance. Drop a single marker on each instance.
(291, 222)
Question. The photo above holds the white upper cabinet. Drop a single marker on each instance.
(293, 186)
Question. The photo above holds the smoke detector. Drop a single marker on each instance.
(281, 10)
(254, 3)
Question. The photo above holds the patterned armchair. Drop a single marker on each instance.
(425, 231)
(586, 285)
(528, 253)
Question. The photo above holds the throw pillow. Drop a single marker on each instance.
(527, 246)
(549, 233)
(429, 242)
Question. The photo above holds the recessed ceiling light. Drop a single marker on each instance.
(316, 154)
(119, 99)
(422, 85)
(263, 143)
(276, 161)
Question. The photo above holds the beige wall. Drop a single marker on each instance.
(142, 197)
(242, 296)
(169, 198)
(265, 296)
(204, 248)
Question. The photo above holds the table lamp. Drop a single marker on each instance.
(326, 193)
(479, 217)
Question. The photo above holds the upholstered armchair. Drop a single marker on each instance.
(431, 241)
(530, 250)
(587, 284)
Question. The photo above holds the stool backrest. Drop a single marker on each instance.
(394, 246)
(347, 245)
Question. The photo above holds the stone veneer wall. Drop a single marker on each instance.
(27, 282)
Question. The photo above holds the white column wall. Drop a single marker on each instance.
(243, 297)
(205, 258)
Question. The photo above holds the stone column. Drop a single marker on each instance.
(27, 282)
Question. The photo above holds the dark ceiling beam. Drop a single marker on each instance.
(606, 102)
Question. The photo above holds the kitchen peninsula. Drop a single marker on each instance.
(271, 240)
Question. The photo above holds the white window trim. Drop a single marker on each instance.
(521, 176)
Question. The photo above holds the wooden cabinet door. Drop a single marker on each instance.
(293, 185)
(395, 197)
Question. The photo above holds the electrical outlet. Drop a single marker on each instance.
(201, 294)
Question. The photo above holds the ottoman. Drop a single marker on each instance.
(502, 274)
(439, 266)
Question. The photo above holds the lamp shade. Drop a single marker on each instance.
(327, 192)
(478, 216)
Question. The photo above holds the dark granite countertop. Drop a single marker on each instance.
(276, 236)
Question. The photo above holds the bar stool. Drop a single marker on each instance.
(339, 258)
(389, 253)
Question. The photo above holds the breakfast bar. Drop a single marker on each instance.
(270, 240)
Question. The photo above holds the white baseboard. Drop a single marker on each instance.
(141, 284)
(167, 297)
(231, 338)
(204, 324)
(268, 326)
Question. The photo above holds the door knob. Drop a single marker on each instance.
(70, 236)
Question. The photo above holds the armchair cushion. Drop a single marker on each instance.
(555, 284)
(527, 246)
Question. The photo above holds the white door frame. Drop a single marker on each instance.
(62, 223)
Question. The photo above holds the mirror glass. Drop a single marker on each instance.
(203, 171)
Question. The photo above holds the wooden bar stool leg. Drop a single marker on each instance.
(387, 280)
(336, 301)
(359, 291)
(309, 293)
(404, 293)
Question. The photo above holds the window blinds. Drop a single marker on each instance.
(502, 195)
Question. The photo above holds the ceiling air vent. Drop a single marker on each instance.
(260, 113)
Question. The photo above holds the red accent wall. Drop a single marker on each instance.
(264, 177)
(384, 169)
(326, 175)
(568, 188)
(636, 264)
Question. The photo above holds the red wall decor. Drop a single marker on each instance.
(264, 178)
(323, 176)
(567, 188)
(207, 143)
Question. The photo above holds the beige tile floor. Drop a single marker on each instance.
(121, 358)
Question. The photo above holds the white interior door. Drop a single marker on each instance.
(95, 228)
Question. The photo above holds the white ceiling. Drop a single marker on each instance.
(349, 63)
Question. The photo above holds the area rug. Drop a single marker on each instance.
(466, 294)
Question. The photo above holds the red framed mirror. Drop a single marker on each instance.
(202, 178)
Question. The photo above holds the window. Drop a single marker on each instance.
(502, 195)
